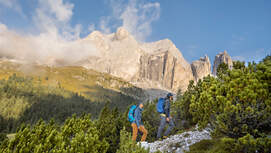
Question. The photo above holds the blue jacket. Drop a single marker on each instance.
(167, 107)
(138, 114)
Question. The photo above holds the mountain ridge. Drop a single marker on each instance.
(152, 65)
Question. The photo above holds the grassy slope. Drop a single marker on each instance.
(99, 87)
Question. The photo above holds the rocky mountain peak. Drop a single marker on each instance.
(201, 67)
(121, 33)
(95, 35)
(205, 58)
(154, 65)
(222, 57)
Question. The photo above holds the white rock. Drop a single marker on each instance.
(178, 143)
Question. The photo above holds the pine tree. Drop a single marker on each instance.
(76, 135)
(109, 126)
(236, 104)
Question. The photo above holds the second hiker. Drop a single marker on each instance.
(163, 107)
(137, 124)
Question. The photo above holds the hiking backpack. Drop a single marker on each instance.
(160, 105)
(131, 113)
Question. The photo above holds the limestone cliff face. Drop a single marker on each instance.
(201, 68)
(223, 57)
(166, 70)
(149, 65)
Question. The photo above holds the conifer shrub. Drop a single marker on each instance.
(246, 144)
(76, 135)
(3, 136)
(109, 125)
(235, 104)
(181, 106)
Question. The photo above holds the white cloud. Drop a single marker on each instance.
(12, 4)
(63, 11)
(136, 16)
(53, 17)
(43, 49)
(58, 43)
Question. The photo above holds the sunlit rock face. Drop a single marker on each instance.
(201, 68)
(155, 65)
(223, 57)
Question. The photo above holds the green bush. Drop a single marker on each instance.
(3, 136)
(249, 144)
(23, 100)
(246, 144)
(109, 126)
(181, 106)
(76, 135)
(235, 104)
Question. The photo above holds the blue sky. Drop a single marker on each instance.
(196, 27)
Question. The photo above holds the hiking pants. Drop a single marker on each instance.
(163, 123)
(142, 129)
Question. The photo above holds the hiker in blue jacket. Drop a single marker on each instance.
(166, 118)
(137, 124)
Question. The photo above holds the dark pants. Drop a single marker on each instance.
(163, 123)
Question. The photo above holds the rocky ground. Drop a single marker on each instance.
(178, 143)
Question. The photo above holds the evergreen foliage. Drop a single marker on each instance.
(246, 144)
(237, 103)
(24, 101)
(76, 135)
(182, 104)
(3, 137)
(109, 126)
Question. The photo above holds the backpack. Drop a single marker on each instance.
(131, 113)
(160, 105)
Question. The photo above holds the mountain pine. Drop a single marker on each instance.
(236, 103)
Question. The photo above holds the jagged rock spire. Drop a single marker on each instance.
(201, 67)
(222, 57)
(121, 33)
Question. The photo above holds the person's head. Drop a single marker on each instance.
(170, 96)
(141, 105)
